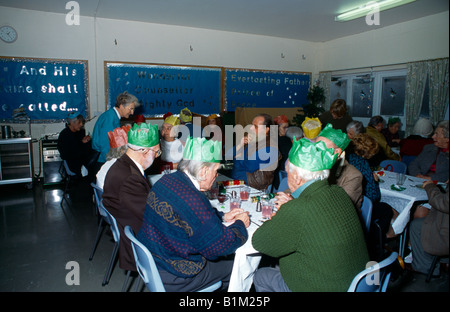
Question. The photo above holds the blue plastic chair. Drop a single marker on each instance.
(376, 277)
(103, 220)
(109, 219)
(67, 174)
(366, 212)
(394, 166)
(282, 174)
(146, 266)
(407, 159)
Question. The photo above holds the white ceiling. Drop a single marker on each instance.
(310, 20)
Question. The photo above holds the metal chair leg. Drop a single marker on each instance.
(101, 227)
(111, 264)
(430, 271)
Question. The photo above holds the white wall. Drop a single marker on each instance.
(46, 35)
(421, 39)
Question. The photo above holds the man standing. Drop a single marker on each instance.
(317, 236)
(126, 188)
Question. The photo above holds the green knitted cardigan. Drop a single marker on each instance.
(318, 239)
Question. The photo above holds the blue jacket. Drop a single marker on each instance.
(108, 121)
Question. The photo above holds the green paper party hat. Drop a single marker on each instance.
(336, 136)
(202, 149)
(311, 156)
(144, 135)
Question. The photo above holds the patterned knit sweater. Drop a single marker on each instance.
(318, 238)
(182, 230)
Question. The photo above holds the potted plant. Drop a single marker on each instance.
(316, 97)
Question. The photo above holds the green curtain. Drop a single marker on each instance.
(416, 79)
(436, 71)
(438, 80)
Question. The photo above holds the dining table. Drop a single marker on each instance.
(401, 198)
(246, 259)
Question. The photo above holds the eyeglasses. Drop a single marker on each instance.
(157, 153)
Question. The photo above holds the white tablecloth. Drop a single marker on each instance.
(401, 201)
(246, 258)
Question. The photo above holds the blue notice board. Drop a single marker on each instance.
(42, 90)
(258, 88)
(166, 88)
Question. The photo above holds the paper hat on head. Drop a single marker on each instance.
(202, 149)
(167, 115)
(144, 135)
(311, 127)
(119, 136)
(336, 136)
(281, 119)
(213, 116)
(139, 118)
(172, 120)
(423, 127)
(185, 115)
(311, 156)
(393, 120)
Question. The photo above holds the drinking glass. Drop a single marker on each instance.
(235, 203)
(244, 192)
(400, 178)
(222, 198)
(267, 208)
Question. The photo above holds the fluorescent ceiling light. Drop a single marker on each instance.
(370, 7)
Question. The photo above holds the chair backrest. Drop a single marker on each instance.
(407, 159)
(66, 167)
(282, 174)
(145, 263)
(366, 212)
(375, 278)
(394, 166)
(98, 194)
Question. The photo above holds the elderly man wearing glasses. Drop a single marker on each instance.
(126, 187)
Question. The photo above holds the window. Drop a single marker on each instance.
(338, 89)
(393, 96)
(371, 93)
(425, 110)
(362, 96)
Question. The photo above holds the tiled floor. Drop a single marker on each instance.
(39, 238)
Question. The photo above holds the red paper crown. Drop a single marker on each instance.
(119, 136)
(281, 119)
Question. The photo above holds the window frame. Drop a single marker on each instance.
(377, 79)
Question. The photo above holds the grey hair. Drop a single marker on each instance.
(136, 148)
(357, 127)
(116, 152)
(309, 175)
(444, 125)
(294, 131)
(126, 99)
(193, 167)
